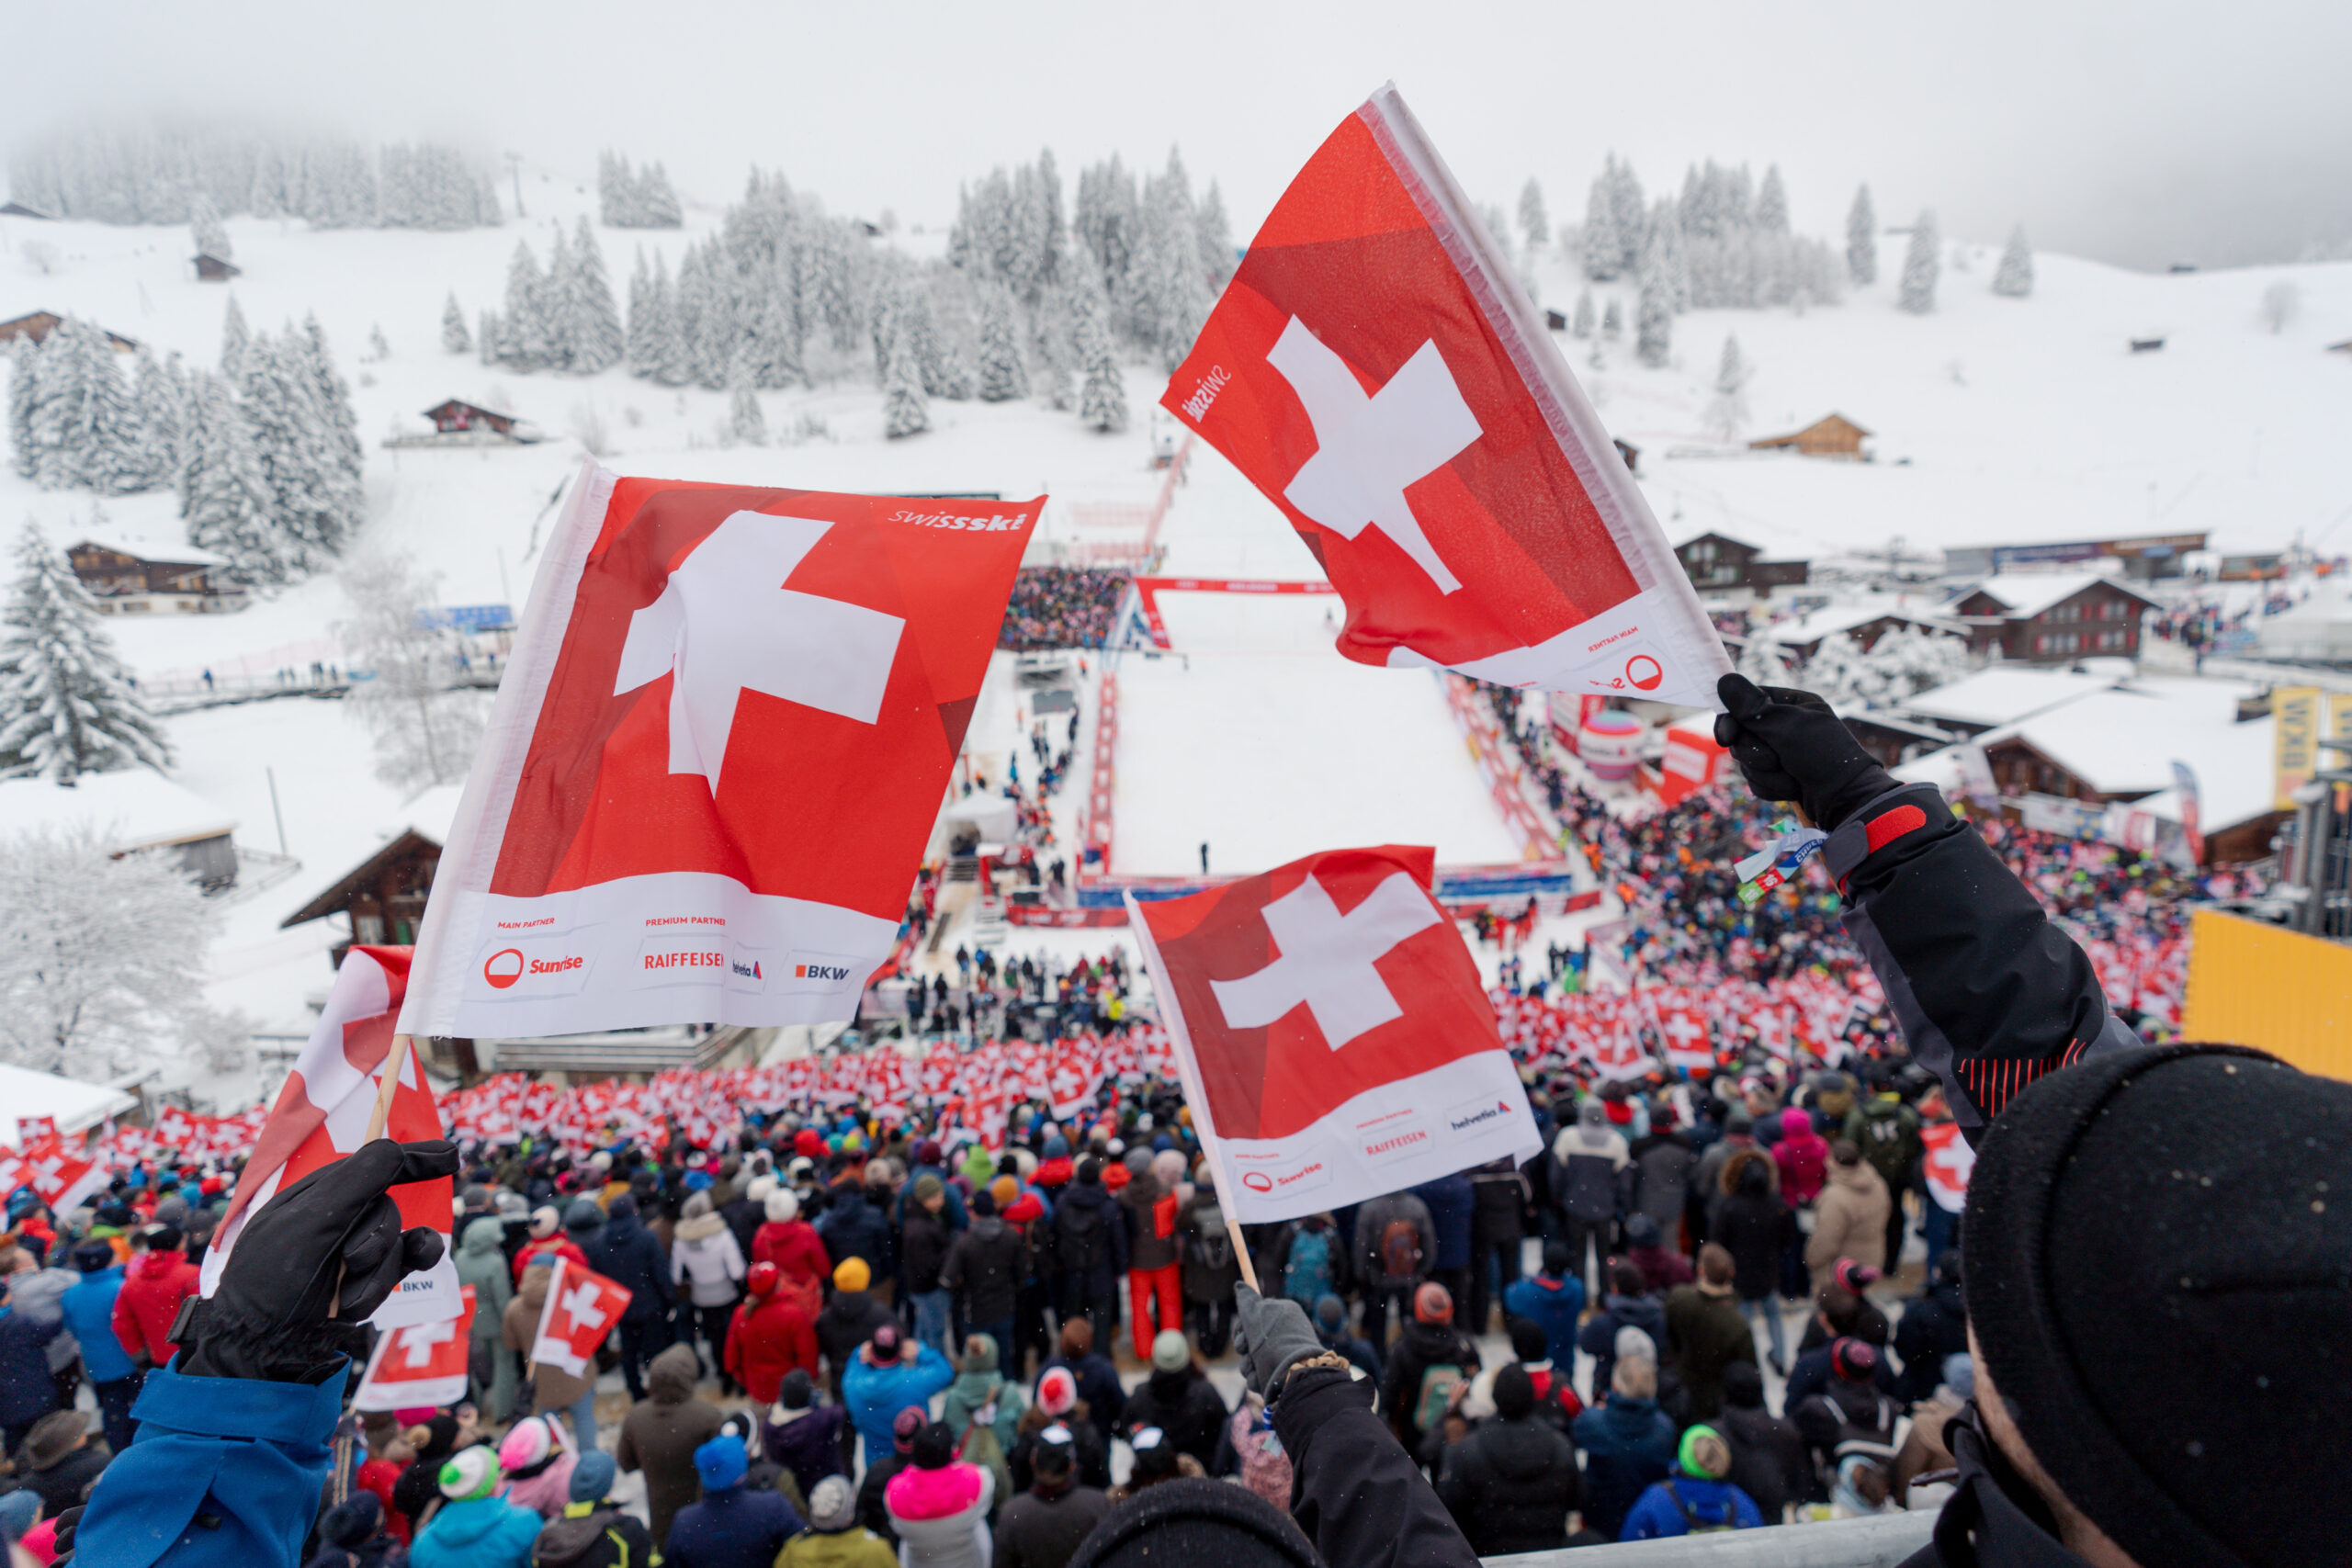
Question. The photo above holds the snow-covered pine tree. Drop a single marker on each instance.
(1534, 224)
(1727, 410)
(333, 400)
(299, 456)
(162, 395)
(1761, 660)
(1612, 320)
(210, 235)
(1861, 239)
(1002, 376)
(1217, 260)
(1631, 206)
(67, 705)
(233, 338)
(936, 360)
(486, 332)
(86, 423)
(1663, 256)
(2014, 276)
(558, 305)
(524, 337)
(1103, 399)
(615, 191)
(1838, 674)
(905, 410)
(225, 494)
(715, 330)
(597, 339)
(773, 330)
(425, 733)
(1581, 323)
(1921, 262)
(1603, 246)
(657, 203)
(455, 339)
(377, 345)
(1653, 323)
(1772, 203)
(648, 305)
(746, 425)
(1731, 370)
(24, 398)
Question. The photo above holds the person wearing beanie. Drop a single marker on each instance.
(352, 1535)
(923, 1244)
(1553, 1299)
(1837, 1313)
(1556, 1404)
(154, 1286)
(1625, 1305)
(55, 1459)
(474, 1527)
(844, 1326)
(1331, 1328)
(1849, 1217)
(1155, 1275)
(1396, 1247)
(1091, 1249)
(773, 1332)
(625, 1252)
(704, 1258)
(1058, 1404)
(735, 1525)
(538, 1465)
(1510, 1482)
(1705, 1333)
(549, 1240)
(1211, 1268)
(984, 1269)
(1697, 1496)
(1628, 1442)
(940, 1504)
(1193, 1520)
(1853, 1413)
(790, 1241)
(660, 1433)
(980, 1387)
(1662, 1268)
(835, 1539)
(1044, 1525)
(592, 1532)
(1429, 1366)
(1178, 1399)
(890, 1374)
(1707, 1176)
(1158, 1460)
(803, 1436)
(87, 1307)
(1588, 1158)
(1769, 1458)
(857, 1228)
(871, 1511)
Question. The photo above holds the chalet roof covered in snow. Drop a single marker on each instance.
(70, 1102)
(2028, 594)
(427, 818)
(2003, 694)
(159, 551)
(133, 809)
(1832, 619)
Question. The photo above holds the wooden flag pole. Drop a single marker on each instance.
(393, 1064)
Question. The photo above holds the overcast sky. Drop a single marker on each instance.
(2142, 132)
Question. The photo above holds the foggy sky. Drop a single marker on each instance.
(2141, 133)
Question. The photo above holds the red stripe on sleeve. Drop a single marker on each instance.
(1889, 826)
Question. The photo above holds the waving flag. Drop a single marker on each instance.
(717, 754)
(422, 1364)
(582, 1310)
(1376, 370)
(1333, 1036)
(321, 1115)
(63, 1176)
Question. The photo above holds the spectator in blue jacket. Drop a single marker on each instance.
(1696, 1497)
(1453, 1203)
(89, 1311)
(625, 1252)
(28, 1392)
(734, 1526)
(1628, 1443)
(475, 1527)
(1553, 1301)
(891, 1373)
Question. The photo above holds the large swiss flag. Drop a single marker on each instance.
(720, 746)
(1333, 1033)
(1375, 368)
(582, 1311)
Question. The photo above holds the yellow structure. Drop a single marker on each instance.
(2251, 984)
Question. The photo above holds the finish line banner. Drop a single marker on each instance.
(722, 740)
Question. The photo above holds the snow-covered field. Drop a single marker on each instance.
(1992, 419)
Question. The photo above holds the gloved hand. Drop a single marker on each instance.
(1268, 1336)
(332, 1238)
(1790, 746)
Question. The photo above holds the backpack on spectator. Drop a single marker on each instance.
(1081, 1232)
(1400, 1250)
(1306, 1277)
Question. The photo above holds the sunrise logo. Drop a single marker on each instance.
(1644, 672)
(503, 967)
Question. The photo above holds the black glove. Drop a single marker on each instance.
(69, 1525)
(1268, 1336)
(333, 1237)
(1790, 746)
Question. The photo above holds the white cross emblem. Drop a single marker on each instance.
(1326, 960)
(583, 1304)
(1369, 448)
(725, 625)
(418, 1341)
(52, 1169)
(1683, 1032)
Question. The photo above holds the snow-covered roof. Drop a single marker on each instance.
(428, 817)
(2235, 782)
(430, 814)
(2004, 694)
(133, 809)
(2125, 742)
(147, 548)
(2028, 594)
(71, 1103)
(1832, 619)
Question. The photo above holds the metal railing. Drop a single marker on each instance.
(1881, 1541)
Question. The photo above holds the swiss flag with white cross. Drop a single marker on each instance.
(422, 1364)
(717, 751)
(582, 1311)
(63, 1176)
(1375, 368)
(1687, 1040)
(1333, 1033)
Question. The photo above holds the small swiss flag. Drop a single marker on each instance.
(1687, 1044)
(61, 1174)
(582, 1310)
(422, 1364)
(1333, 1033)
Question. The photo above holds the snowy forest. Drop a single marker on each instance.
(169, 175)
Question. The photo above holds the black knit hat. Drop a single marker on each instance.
(1197, 1520)
(2158, 1252)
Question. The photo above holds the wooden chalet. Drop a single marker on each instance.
(457, 422)
(1719, 563)
(210, 268)
(383, 895)
(37, 324)
(139, 582)
(2052, 619)
(18, 210)
(1832, 436)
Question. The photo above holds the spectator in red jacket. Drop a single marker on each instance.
(790, 1241)
(773, 1333)
(154, 1286)
(548, 1242)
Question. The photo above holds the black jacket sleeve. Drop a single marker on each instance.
(1354, 1490)
(1989, 994)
